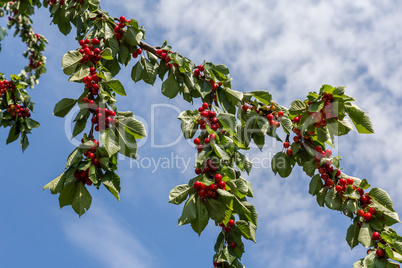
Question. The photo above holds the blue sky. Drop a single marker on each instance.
(288, 48)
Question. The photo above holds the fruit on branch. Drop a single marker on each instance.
(380, 253)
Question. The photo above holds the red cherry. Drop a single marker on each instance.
(342, 182)
(363, 200)
(296, 139)
(270, 117)
(205, 105)
(197, 141)
(286, 144)
(214, 120)
(207, 141)
(202, 193)
(95, 41)
(328, 153)
(200, 147)
(245, 107)
(329, 182)
(338, 188)
(221, 184)
(338, 173)
(372, 211)
(91, 155)
(196, 72)
(211, 114)
(95, 161)
(231, 222)
(349, 181)
(318, 148)
(228, 229)
(204, 114)
(215, 264)
(289, 152)
(380, 252)
(85, 100)
(212, 137)
(201, 68)
(218, 178)
(376, 235)
(367, 216)
(198, 185)
(214, 127)
(360, 213)
(233, 245)
(280, 113)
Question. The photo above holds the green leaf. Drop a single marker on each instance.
(82, 71)
(133, 36)
(56, 185)
(82, 199)
(365, 235)
(281, 165)
(201, 221)
(297, 107)
(109, 141)
(286, 124)
(117, 87)
(315, 185)
(136, 72)
(216, 209)
(31, 124)
(170, 87)
(149, 73)
(13, 134)
(247, 229)
(70, 62)
(132, 125)
(188, 125)
(107, 54)
(189, 211)
(242, 162)
(127, 143)
(352, 235)
(333, 200)
(262, 96)
(351, 193)
(228, 122)
(359, 118)
(321, 196)
(74, 158)
(68, 193)
(63, 107)
(112, 182)
(179, 193)
(382, 197)
(221, 152)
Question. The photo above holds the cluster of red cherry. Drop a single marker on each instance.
(53, 2)
(103, 118)
(90, 153)
(18, 110)
(82, 175)
(207, 118)
(91, 81)
(6, 85)
(233, 245)
(164, 54)
(90, 53)
(118, 29)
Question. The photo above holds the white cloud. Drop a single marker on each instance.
(108, 239)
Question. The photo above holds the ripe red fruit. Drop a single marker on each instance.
(198, 171)
(321, 170)
(204, 114)
(201, 68)
(270, 117)
(280, 113)
(245, 107)
(198, 185)
(196, 72)
(328, 153)
(197, 141)
(231, 222)
(95, 161)
(329, 182)
(211, 114)
(91, 155)
(205, 105)
(228, 229)
(218, 178)
(338, 173)
(296, 139)
(349, 181)
(202, 193)
(214, 127)
(85, 100)
(363, 200)
(360, 213)
(376, 235)
(95, 87)
(289, 152)
(342, 182)
(95, 41)
(286, 144)
(122, 19)
(221, 184)
(367, 216)
(233, 245)
(212, 137)
(380, 252)
(372, 211)
(318, 149)
(338, 188)
(215, 264)
(207, 141)
(200, 147)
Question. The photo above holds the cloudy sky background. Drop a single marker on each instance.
(288, 48)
